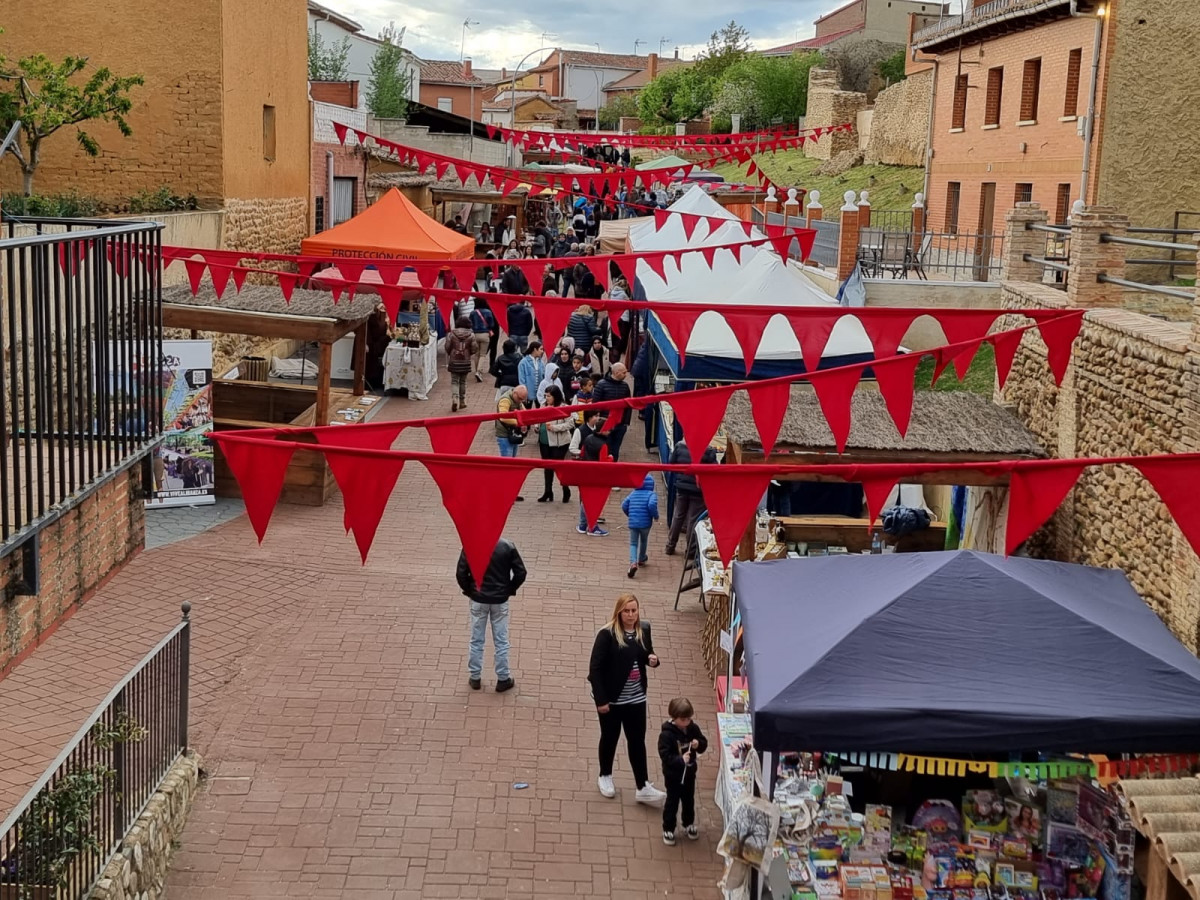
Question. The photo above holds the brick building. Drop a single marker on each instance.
(1013, 85)
(886, 21)
(223, 113)
(581, 76)
(337, 185)
(451, 86)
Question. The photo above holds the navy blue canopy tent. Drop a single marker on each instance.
(958, 653)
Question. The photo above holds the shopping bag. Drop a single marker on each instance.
(749, 836)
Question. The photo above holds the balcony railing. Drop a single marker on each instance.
(982, 16)
(81, 394)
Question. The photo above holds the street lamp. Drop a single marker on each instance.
(512, 99)
(467, 23)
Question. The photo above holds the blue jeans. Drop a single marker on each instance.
(582, 516)
(481, 614)
(639, 538)
(507, 448)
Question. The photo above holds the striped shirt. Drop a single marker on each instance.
(632, 692)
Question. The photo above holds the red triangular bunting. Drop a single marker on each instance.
(961, 356)
(366, 484)
(834, 388)
(259, 468)
(491, 132)
(961, 326)
(783, 246)
(596, 480)
(195, 272)
(552, 316)
(680, 323)
(239, 278)
(1059, 335)
(700, 414)
(1034, 493)
(748, 328)
(657, 264)
(732, 494)
(894, 379)
(478, 516)
(390, 298)
(340, 130)
(452, 436)
(886, 328)
(875, 492)
(1175, 481)
(287, 284)
(769, 402)
(689, 223)
(598, 266)
(1004, 348)
(220, 278)
(812, 331)
(351, 269)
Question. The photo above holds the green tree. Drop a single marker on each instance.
(891, 70)
(387, 91)
(327, 62)
(46, 96)
(679, 94)
(620, 106)
(726, 46)
(765, 90)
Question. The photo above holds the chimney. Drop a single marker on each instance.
(652, 66)
(677, 53)
(503, 73)
(466, 67)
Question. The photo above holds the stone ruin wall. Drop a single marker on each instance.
(900, 125)
(829, 105)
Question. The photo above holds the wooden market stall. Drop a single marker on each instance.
(246, 397)
(946, 427)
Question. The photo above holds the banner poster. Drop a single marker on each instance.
(183, 463)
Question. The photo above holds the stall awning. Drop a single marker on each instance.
(391, 228)
(960, 652)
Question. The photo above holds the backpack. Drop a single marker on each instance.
(459, 351)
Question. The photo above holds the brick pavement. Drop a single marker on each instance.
(346, 754)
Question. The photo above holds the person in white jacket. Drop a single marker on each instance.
(549, 380)
(554, 438)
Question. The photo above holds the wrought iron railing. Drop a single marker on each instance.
(933, 256)
(1056, 258)
(824, 251)
(59, 839)
(978, 15)
(80, 390)
(1172, 246)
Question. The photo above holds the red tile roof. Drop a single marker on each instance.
(595, 60)
(446, 71)
(812, 43)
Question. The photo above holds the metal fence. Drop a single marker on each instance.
(1173, 246)
(824, 252)
(59, 839)
(1055, 259)
(80, 390)
(934, 256)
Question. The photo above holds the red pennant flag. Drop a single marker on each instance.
(680, 324)
(1004, 347)
(336, 289)
(834, 389)
(287, 284)
(657, 264)
(709, 253)
(491, 132)
(894, 379)
(362, 136)
(220, 278)
(732, 495)
(783, 246)
(962, 357)
(366, 483)
(598, 266)
(748, 328)
(965, 325)
(195, 272)
(627, 267)
(507, 187)
(1175, 481)
(239, 278)
(812, 331)
(596, 480)
(769, 403)
(478, 516)
(452, 436)
(340, 130)
(1034, 493)
(440, 167)
(390, 298)
(689, 223)
(875, 492)
(351, 269)
(886, 328)
(1059, 335)
(259, 469)
(700, 414)
(552, 319)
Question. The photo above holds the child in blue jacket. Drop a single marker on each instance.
(641, 509)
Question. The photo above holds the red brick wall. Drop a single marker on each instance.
(339, 93)
(347, 163)
(78, 552)
(462, 95)
(851, 15)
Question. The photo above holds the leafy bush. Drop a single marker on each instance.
(161, 200)
(68, 205)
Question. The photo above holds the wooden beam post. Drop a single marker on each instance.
(324, 371)
(360, 359)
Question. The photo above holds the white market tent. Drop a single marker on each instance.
(760, 278)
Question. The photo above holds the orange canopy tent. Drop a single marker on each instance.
(391, 228)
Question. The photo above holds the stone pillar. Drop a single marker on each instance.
(1019, 240)
(1090, 257)
(864, 210)
(791, 208)
(848, 238)
(918, 222)
(814, 211)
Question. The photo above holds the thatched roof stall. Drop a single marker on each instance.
(946, 427)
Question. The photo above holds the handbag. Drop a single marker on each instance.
(515, 435)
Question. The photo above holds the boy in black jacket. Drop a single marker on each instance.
(679, 742)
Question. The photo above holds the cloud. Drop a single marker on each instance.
(501, 39)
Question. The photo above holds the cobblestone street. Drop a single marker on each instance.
(346, 754)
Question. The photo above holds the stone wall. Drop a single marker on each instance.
(139, 870)
(900, 124)
(78, 553)
(266, 225)
(829, 105)
(1129, 391)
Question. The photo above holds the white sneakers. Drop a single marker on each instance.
(648, 793)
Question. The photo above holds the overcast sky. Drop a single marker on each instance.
(503, 37)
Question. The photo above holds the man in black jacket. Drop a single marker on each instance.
(489, 602)
(689, 500)
(614, 386)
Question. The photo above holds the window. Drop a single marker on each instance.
(995, 88)
(1023, 194)
(539, 81)
(1062, 208)
(953, 191)
(958, 118)
(1071, 103)
(1030, 83)
(446, 104)
(269, 133)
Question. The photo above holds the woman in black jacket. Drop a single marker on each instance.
(621, 654)
(505, 368)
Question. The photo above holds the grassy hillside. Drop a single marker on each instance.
(893, 188)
